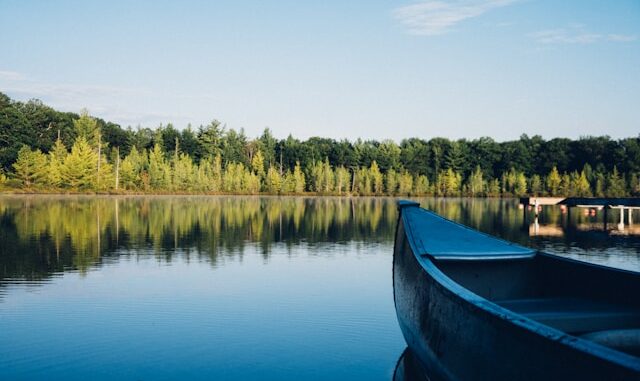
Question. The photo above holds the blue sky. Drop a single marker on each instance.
(341, 69)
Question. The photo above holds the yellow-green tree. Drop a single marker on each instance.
(377, 180)
(448, 183)
(476, 183)
(392, 182)
(553, 182)
(343, 180)
(274, 182)
(520, 188)
(580, 184)
(616, 186)
(535, 185)
(184, 173)
(31, 167)
(421, 186)
(159, 170)
(405, 184)
(257, 164)
(57, 156)
(80, 166)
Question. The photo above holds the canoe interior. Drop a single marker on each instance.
(573, 297)
(512, 313)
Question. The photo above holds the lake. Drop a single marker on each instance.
(244, 288)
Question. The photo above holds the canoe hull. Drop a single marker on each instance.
(455, 339)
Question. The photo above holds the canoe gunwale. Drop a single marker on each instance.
(493, 311)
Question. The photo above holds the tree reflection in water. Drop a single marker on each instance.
(44, 235)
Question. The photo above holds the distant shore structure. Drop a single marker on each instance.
(620, 203)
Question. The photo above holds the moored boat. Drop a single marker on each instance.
(475, 307)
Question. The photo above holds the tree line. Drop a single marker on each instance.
(42, 149)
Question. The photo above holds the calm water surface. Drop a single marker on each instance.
(247, 288)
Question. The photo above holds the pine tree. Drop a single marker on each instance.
(405, 184)
(80, 166)
(493, 188)
(616, 186)
(422, 187)
(57, 156)
(553, 182)
(565, 185)
(159, 170)
(476, 183)
(377, 180)
(31, 167)
(129, 179)
(448, 183)
(299, 179)
(87, 127)
(362, 182)
(536, 185)
(521, 184)
(257, 164)
(392, 182)
(328, 177)
(600, 185)
(234, 179)
(342, 180)
(184, 173)
(581, 186)
(273, 181)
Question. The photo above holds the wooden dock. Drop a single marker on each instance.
(541, 200)
(585, 202)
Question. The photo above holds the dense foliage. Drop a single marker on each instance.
(44, 149)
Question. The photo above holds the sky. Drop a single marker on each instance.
(340, 69)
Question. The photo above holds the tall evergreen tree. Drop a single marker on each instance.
(31, 167)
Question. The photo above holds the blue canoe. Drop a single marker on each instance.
(475, 307)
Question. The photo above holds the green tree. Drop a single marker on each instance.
(476, 183)
(257, 164)
(392, 182)
(448, 183)
(422, 187)
(616, 186)
(342, 180)
(565, 185)
(521, 184)
(362, 182)
(553, 182)
(87, 128)
(405, 184)
(159, 169)
(57, 155)
(377, 180)
(581, 186)
(273, 181)
(298, 179)
(600, 185)
(536, 185)
(31, 167)
(184, 173)
(634, 185)
(493, 188)
(80, 166)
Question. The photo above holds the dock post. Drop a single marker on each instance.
(536, 208)
(621, 223)
(630, 218)
(605, 216)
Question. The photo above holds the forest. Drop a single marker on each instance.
(45, 150)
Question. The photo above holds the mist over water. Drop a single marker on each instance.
(198, 287)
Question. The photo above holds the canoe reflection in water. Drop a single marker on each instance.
(408, 368)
